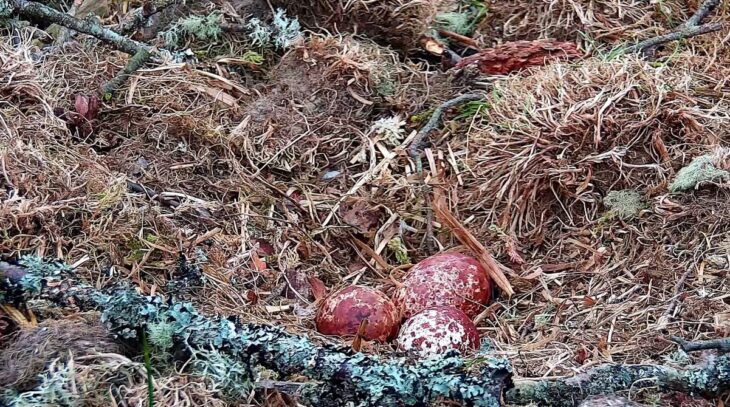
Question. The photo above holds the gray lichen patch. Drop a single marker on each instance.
(709, 168)
(625, 203)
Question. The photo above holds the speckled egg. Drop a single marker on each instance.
(437, 330)
(342, 312)
(445, 279)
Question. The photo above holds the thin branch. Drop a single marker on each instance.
(702, 12)
(710, 380)
(722, 345)
(39, 11)
(414, 150)
(135, 62)
(684, 33)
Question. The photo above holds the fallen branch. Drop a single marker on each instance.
(344, 376)
(135, 62)
(690, 28)
(722, 345)
(414, 150)
(31, 9)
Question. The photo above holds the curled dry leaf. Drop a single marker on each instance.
(319, 290)
(87, 106)
(360, 215)
(298, 283)
(514, 56)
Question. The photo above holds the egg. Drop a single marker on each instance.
(341, 313)
(445, 279)
(436, 330)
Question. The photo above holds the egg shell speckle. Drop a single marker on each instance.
(437, 330)
(341, 313)
(445, 279)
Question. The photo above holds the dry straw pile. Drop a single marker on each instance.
(265, 179)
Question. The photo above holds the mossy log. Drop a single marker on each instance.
(338, 375)
(341, 375)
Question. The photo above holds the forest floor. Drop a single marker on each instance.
(274, 169)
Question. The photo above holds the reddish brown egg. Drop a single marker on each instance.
(437, 330)
(445, 279)
(342, 312)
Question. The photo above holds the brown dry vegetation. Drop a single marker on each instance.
(267, 178)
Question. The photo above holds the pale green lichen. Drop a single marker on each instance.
(40, 271)
(203, 28)
(390, 130)
(160, 334)
(6, 10)
(625, 203)
(226, 376)
(702, 170)
(56, 389)
(286, 31)
(460, 23)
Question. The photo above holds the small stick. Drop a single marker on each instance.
(675, 301)
(135, 62)
(684, 33)
(705, 8)
(459, 38)
(40, 11)
(722, 345)
(689, 29)
(414, 150)
(416, 144)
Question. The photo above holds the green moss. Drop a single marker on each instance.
(700, 171)
(399, 249)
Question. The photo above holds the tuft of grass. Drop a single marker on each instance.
(148, 367)
(471, 109)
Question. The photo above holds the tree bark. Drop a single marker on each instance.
(341, 375)
(30, 9)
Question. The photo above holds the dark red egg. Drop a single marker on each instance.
(445, 279)
(341, 313)
(437, 330)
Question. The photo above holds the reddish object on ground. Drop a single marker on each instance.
(517, 55)
(437, 330)
(342, 312)
(445, 279)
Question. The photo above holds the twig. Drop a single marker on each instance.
(414, 150)
(722, 345)
(684, 33)
(135, 62)
(664, 319)
(690, 28)
(37, 10)
(152, 194)
(702, 12)
(463, 39)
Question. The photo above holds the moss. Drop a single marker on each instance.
(625, 203)
(700, 171)
(399, 249)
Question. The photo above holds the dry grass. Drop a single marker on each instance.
(265, 180)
